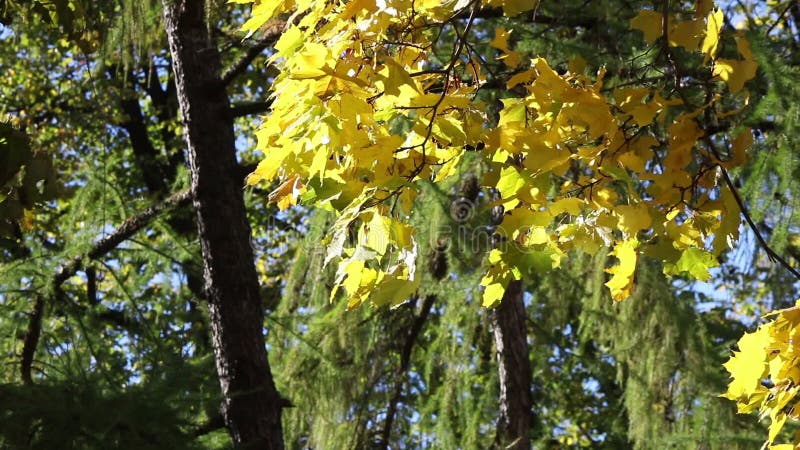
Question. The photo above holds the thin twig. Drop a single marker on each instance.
(771, 254)
(780, 17)
(762, 242)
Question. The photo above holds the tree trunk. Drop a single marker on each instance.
(251, 404)
(514, 366)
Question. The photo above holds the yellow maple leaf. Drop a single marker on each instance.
(728, 231)
(748, 365)
(686, 34)
(395, 81)
(311, 61)
(630, 96)
(549, 84)
(633, 218)
(358, 283)
(735, 72)
(497, 278)
(630, 101)
(287, 193)
(526, 76)
(500, 40)
(743, 46)
(649, 23)
(713, 27)
(684, 133)
(509, 184)
(393, 290)
(379, 233)
(262, 11)
(510, 58)
(267, 168)
(289, 42)
(514, 111)
(621, 282)
(570, 205)
(741, 143)
(778, 421)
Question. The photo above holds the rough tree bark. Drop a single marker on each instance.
(514, 366)
(251, 404)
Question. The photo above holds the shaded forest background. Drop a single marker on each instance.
(105, 328)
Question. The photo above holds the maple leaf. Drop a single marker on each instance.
(735, 72)
(748, 365)
(713, 28)
(287, 193)
(633, 218)
(695, 262)
(686, 34)
(649, 23)
(621, 282)
(728, 231)
(500, 42)
(262, 12)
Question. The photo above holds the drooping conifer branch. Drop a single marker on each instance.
(102, 247)
(127, 229)
(438, 269)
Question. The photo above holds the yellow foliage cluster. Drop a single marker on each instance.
(361, 113)
(765, 373)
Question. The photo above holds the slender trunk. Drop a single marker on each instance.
(31, 340)
(511, 340)
(251, 404)
(402, 371)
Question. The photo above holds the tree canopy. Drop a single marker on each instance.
(399, 224)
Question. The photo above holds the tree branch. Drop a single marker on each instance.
(91, 286)
(245, 109)
(213, 424)
(31, 340)
(565, 20)
(269, 33)
(127, 229)
(771, 253)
